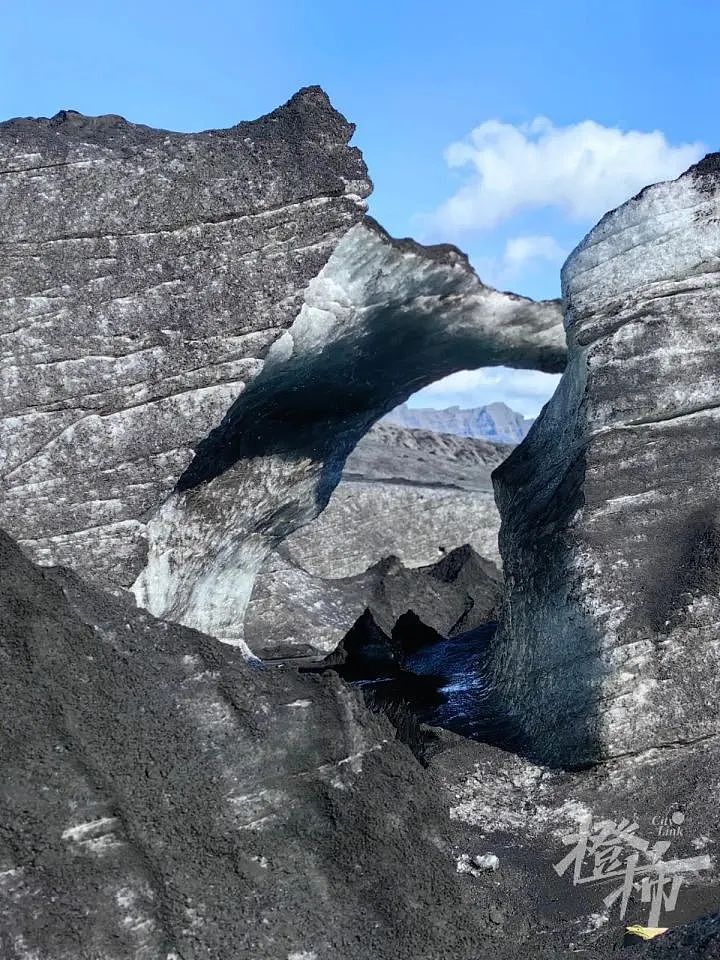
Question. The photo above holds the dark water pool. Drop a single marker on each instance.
(442, 684)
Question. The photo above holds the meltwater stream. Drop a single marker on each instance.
(441, 684)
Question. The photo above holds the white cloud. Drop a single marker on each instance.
(462, 381)
(583, 170)
(521, 254)
(524, 390)
(521, 250)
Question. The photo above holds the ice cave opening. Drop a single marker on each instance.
(382, 320)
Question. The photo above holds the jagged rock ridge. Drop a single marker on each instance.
(293, 611)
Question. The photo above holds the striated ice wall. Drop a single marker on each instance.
(610, 636)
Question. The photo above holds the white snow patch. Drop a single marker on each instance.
(8, 876)
(594, 922)
(479, 864)
(259, 823)
(570, 812)
(699, 843)
(82, 832)
(125, 897)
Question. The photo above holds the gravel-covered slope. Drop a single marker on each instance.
(411, 493)
(391, 453)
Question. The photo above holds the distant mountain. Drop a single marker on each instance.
(496, 421)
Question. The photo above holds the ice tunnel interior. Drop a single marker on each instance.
(383, 319)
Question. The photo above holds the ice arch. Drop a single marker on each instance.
(382, 319)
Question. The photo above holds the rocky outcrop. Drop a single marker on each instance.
(293, 611)
(425, 682)
(145, 275)
(609, 641)
(197, 329)
(495, 421)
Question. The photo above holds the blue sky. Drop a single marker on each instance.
(506, 128)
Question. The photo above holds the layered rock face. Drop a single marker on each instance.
(610, 640)
(197, 329)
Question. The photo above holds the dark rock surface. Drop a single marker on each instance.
(161, 798)
(609, 641)
(496, 422)
(699, 940)
(516, 805)
(197, 329)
